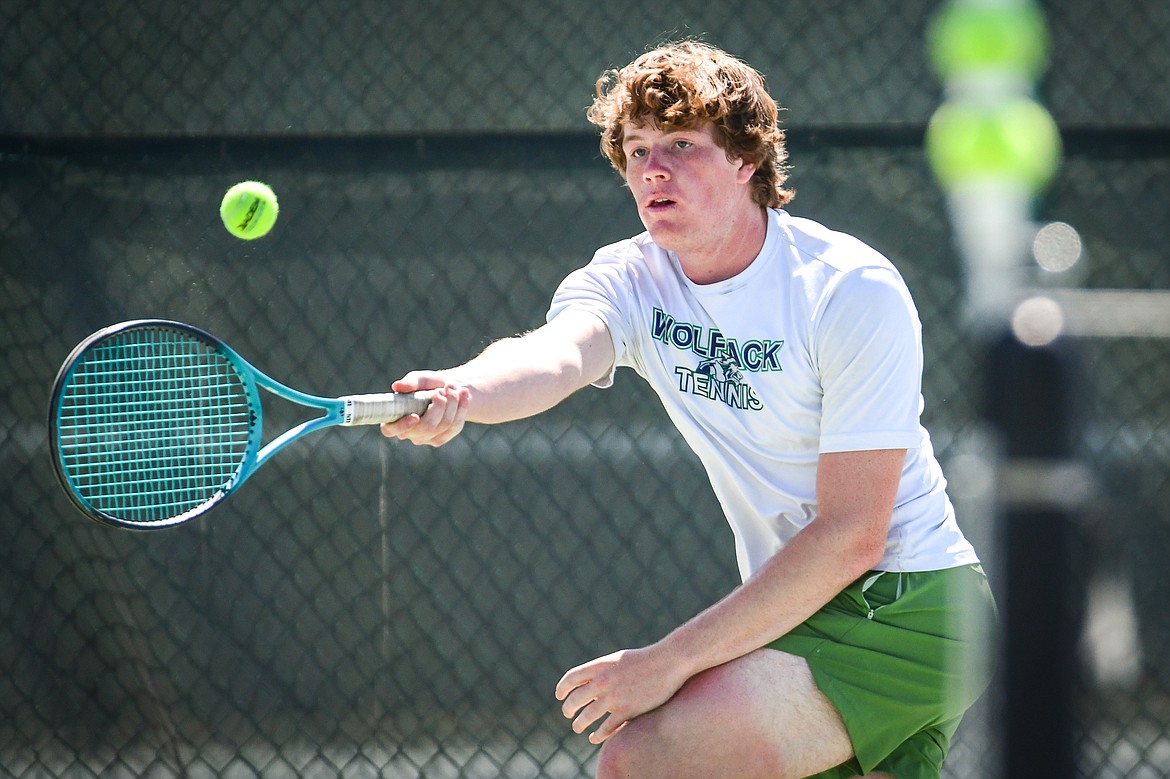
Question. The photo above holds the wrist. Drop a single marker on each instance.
(677, 656)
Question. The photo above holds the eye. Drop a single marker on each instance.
(636, 152)
(683, 144)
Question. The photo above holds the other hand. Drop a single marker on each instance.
(618, 688)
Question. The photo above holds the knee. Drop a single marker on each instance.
(641, 749)
(619, 755)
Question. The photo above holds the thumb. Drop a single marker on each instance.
(418, 380)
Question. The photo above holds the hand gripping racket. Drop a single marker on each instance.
(152, 423)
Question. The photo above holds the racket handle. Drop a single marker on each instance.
(379, 407)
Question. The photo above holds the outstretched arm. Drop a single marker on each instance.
(511, 379)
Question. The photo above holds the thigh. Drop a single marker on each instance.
(760, 715)
(896, 656)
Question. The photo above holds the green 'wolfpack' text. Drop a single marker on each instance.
(710, 344)
(722, 361)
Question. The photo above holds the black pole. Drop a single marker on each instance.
(1031, 399)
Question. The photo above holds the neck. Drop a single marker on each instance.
(738, 247)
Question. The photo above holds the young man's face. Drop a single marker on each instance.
(687, 191)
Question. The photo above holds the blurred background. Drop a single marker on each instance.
(363, 608)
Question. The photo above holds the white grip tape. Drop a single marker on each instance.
(375, 408)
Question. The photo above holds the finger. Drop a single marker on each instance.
(611, 725)
(586, 672)
(406, 384)
(417, 380)
(572, 679)
(464, 403)
(399, 427)
(432, 418)
(455, 399)
(419, 429)
(442, 420)
(590, 714)
(452, 428)
(575, 700)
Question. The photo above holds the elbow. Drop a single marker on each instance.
(865, 550)
(870, 554)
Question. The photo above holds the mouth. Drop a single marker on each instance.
(658, 202)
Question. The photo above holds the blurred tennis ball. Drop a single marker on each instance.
(1016, 140)
(968, 36)
(249, 210)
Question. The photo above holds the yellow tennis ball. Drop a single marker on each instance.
(967, 36)
(249, 210)
(1016, 140)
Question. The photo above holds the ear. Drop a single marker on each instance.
(746, 171)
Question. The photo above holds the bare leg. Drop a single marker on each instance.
(758, 716)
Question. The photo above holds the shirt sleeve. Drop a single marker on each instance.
(602, 288)
(868, 351)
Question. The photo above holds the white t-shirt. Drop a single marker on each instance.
(815, 347)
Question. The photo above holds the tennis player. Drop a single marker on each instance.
(790, 358)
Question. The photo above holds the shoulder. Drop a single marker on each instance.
(638, 251)
(831, 267)
(634, 263)
(839, 252)
(614, 281)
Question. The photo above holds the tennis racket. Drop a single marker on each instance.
(152, 423)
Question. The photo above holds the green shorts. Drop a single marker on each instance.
(901, 656)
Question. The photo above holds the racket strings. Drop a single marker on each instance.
(153, 424)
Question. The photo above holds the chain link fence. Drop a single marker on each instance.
(364, 608)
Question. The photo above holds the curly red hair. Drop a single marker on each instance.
(683, 84)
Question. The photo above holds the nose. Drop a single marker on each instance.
(654, 167)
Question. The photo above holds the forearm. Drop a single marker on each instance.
(517, 377)
(514, 378)
(797, 581)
